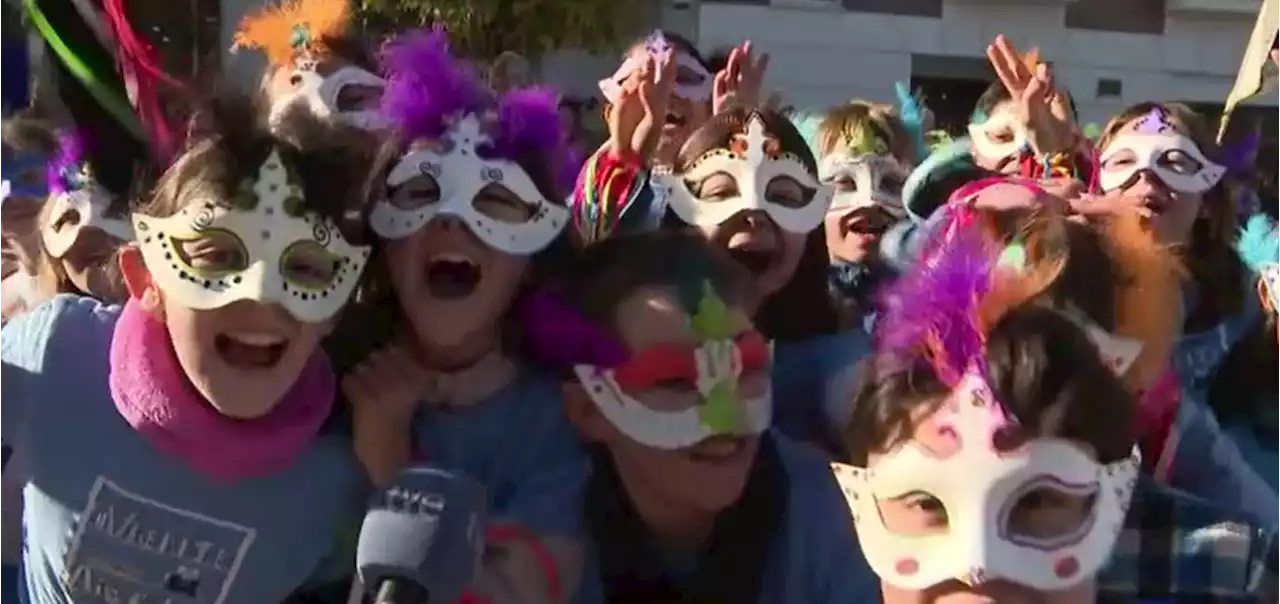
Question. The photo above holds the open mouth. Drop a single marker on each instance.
(1155, 204)
(452, 276)
(756, 261)
(719, 450)
(871, 220)
(253, 351)
(673, 120)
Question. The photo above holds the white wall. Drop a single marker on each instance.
(822, 54)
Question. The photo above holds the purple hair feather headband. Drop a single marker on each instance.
(932, 310)
(65, 169)
(427, 90)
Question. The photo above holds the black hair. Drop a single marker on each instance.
(1041, 367)
(613, 269)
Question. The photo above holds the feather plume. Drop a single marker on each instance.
(1259, 243)
(529, 124)
(426, 88)
(808, 125)
(1149, 279)
(932, 310)
(66, 164)
(911, 113)
(558, 336)
(282, 30)
(1238, 157)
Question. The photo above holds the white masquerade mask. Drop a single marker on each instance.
(979, 487)
(296, 260)
(876, 180)
(986, 136)
(1127, 154)
(754, 164)
(719, 411)
(460, 175)
(320, 94)
(693, 81)
(90, 202)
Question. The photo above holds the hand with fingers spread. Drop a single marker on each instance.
(739, 83)
(1043, 110)
(383, 393)
(656, 83)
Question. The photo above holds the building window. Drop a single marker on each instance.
(908, 8)
(1127, 16)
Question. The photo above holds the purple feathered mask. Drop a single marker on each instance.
(932, 310)
(66, 170)
(427, 90)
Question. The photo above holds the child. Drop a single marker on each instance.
(691, 496)
(312, 60)
(80, 230)
(174, 444)
(471, 216)
(994, 455)
(28, 144)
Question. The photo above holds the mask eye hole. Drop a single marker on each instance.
(1050, 514)
(214, 252)
(309, 265)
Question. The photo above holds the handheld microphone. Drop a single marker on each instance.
(422, 538)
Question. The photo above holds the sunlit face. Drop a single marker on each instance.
(451, 286)
(853, 229)
(996, 142)
(1040, 514)
(19, 238)
(1172, 212)
(245, 356)
(707, 476)
(89, 265)
(752, 237)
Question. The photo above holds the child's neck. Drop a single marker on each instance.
(673, 525)
(467, 373)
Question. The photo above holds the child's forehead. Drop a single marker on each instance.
(656, 315)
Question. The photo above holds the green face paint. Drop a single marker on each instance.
(719, 411)
(1013, 257)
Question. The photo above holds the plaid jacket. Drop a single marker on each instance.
(1179, 549)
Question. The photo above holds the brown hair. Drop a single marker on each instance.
(1210, 258)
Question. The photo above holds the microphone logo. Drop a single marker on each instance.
(407, 501)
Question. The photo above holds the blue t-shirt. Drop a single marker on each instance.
(109, 518)
(815, 557)
(807, 405)
(520, 445)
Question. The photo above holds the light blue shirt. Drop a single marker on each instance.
(109, 518)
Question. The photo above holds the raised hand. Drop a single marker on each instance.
(1042, 109)
(739, 83)
(656, 83)
(383, 393)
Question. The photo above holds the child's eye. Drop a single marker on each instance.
(415, 193)
(214, 251)
(308, 264)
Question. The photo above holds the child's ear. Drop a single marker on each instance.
(582, 411)
(137, 279)
(606, 110)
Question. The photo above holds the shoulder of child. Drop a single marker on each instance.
(27, 337)
(823, 534)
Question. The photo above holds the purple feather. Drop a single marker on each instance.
(529, 123)
(932, 309)
(1153, 122)
(1238, 157)
(425, 87)
(560, 337)
(569, 169)
(65, 164)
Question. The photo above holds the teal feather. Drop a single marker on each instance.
(911, 113)
(808, 124)
(1259, 243)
